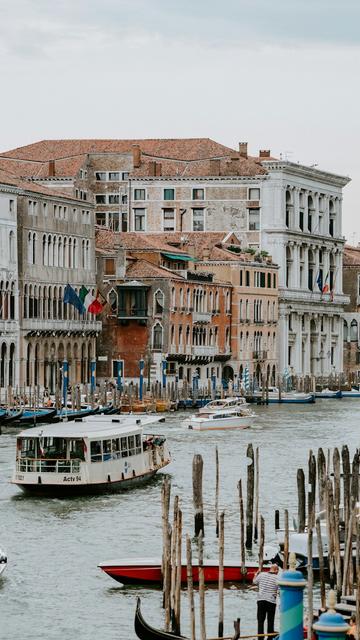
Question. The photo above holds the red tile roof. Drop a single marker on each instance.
(175, 148)
(145, 269)
(107, 239)
(8, 178)
(351, 256)
(203, 168)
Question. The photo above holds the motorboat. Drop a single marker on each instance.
(148, 571)
(95, 454)
(224, 419)
(328, 394)
(3, 562)
(354, 393)
(222, 403)
(274, 396)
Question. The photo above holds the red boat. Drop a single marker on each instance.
(148, 570)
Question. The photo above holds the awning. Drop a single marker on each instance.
(177, 256)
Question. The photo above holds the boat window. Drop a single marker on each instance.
(115, 445)
(54, 448)
(95, 449)
(124, 449)
(138, 443)
(27, 447)
(131, 445)
(106, 449)
(77, 449)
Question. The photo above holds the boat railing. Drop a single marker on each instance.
(47, 465)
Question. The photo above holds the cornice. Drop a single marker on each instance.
(214, 179)
(291, 168)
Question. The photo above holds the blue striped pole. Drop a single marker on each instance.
(291, 585)
(65, 381)
(119, 375)
(331, 625)
(163, 373)
(93, 375)
(141, 385)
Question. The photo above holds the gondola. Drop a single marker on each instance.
(145, 632)
(31, 417)
(10, 416)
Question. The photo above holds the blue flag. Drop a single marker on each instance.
(319, 281)
(71, 297)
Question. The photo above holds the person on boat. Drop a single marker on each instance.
(352, 632)
(267, 583)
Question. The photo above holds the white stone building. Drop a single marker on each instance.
(301, 211)
(9, 285)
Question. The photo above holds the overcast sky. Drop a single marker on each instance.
(282, 75)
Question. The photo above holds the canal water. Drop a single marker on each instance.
(52, 588)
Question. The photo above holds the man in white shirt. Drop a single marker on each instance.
(266, 601)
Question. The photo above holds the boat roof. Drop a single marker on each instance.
(91, 427)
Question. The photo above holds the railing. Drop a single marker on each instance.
(34, 324)
(41, 465)
(8, 326)
(202, 316)
(204, 351)
(260, 355)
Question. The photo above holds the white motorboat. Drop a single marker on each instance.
(328, 394)
(91, 455)
(223, 419)
(223, 403)
(3, 561)
(274, 396)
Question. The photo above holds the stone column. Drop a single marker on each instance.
(298, 345)
(283, 339)
(306, 267)
(307, 366)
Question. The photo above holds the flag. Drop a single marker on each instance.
(319, 281)
(326, 287)
(90, 302)
(71, 297)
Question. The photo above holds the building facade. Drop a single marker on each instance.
(51, 243)
(351, 316)
(301, 227)
(160, 313)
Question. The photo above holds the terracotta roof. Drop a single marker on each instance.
(203, 167)
(145, 269)
(8, 178)
(197, 239)
(107, 239)
(64, 167)
(175, 148)
(351, 256)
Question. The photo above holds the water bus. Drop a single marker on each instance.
(91, 455)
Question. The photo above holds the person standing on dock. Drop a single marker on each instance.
(267, 583)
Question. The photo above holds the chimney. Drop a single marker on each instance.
(136, 156)
(51, 168)
(243, 153)
(264, 153)
(206, 253)
(158, 168)
(215, 167)
(152, 168)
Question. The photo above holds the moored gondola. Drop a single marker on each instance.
(10, 417)
(145, 632)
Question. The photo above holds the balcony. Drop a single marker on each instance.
(260, 355)
(8, 326)
(201, 317)
(204, 351)
(132, 314)
(38, 324)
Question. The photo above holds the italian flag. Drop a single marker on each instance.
(91, 304)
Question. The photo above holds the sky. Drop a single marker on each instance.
(279, 74)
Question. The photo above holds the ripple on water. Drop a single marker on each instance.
(54, 546)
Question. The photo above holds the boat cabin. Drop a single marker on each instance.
(89, 451)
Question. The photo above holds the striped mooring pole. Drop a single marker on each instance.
(65, 381)
(331, 625)
(141, 384)
(291, 585)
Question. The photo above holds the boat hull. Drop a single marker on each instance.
(328, 395)
(199, 424)
(150, 573)
(64, 491)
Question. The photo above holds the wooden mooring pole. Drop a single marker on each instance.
(250, 497)
(190, 587)
(221, 576)
(197, 476)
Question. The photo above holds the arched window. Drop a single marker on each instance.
(65, 253)
(173, 298)
(70, 254)
(181, 296)
(172, 334)
(49, 251)
(159, 299)
(30, 248)
(44, 250)
(113, 300)
(75, 254)
(83, 254)
(54, 251)
(289, 210)
(180, 336)
(269, 280)
(354, 331)
(11, 246)
(346, 330)
(157, 336)
(60, 252)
